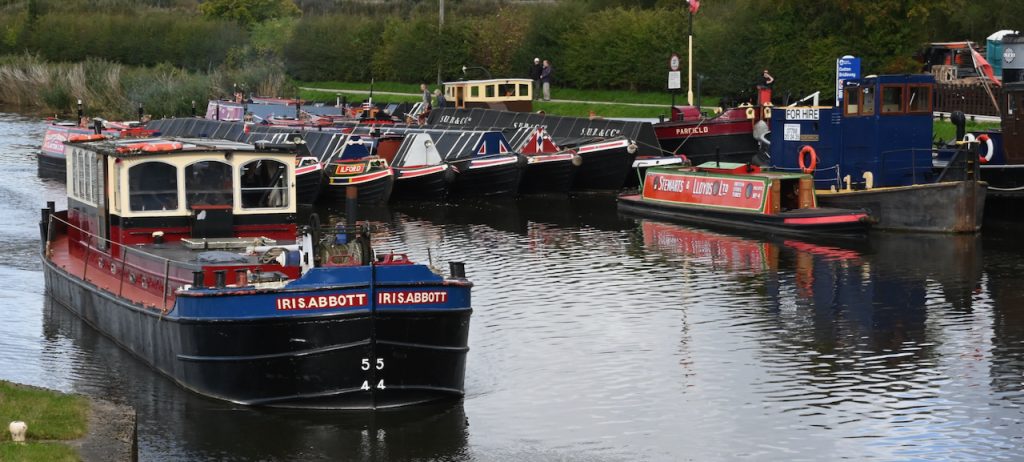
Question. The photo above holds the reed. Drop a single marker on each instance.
(112, 90)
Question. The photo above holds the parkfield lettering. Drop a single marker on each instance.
(316, 302)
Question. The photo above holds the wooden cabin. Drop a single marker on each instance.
(502, 94)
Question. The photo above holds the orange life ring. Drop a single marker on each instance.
(989, 148)
(805, 166)
(150, 147)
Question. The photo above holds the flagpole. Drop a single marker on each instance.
(689, 59)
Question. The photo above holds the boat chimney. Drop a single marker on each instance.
(959, 121)
(806, 192)
(351, 207)
(457, 269)
(193, 108)
(197, 279)
(97, 127)
(81, 113)
(220, 278)
(140, 112)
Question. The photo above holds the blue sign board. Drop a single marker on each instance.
(847, 68)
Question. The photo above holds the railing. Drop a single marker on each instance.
(971, 99)
(127, 272)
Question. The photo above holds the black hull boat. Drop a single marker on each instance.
(727, 137)
(373, 180)
(493, 176)
(235, 302)
(429, 183)
(549, 173)
(605, 165)
(308, 179)
(424, 354)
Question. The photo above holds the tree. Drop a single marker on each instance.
(249, 12)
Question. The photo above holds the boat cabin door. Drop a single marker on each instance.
(460, 96)
(1013, 125)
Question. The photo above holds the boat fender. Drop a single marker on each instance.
(631, 148)
(989, 148)
(809, 165)
(577, 160)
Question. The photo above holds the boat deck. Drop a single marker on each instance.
(121, 284)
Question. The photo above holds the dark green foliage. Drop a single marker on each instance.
(143, 39)
(333, 48)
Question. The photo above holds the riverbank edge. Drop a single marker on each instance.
(111, 430)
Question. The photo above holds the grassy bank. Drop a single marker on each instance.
(945, 130)
(589, 100)
(51, 417)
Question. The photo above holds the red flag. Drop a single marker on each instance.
(694, 5)
(984, 67)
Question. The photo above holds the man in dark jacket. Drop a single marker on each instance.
(545, 79)
(535, 71)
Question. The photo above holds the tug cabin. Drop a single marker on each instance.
(880, 135)
(501, 94)
(123, 194)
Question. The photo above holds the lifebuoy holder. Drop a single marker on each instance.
(807, 166)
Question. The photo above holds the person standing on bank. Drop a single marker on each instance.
(440, 102)
(426, 96)
(545, 79)
(535, 71)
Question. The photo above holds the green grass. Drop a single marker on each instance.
(35, 452)
(49, 415)
(663, 99)
(946, 131)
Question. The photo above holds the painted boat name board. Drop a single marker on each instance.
(706, 190)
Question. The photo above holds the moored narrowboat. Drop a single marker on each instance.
(353, 165)
(549, 169)
(189, 256)
(740, 196)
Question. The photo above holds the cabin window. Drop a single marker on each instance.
(867, 102)
(892, 99)
(524, 89)
(851, 100)
(507, 89)
(264, 184)
(1011, 104)
(152, 186)
(474, 91)
(489, 91)
(85, 176)
(208, 182)
(919, 99)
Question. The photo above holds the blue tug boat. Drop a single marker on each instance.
(874, 152)
(188, 255)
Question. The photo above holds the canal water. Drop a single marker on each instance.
(597, 337)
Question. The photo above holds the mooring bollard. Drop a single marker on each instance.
(18, 430)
